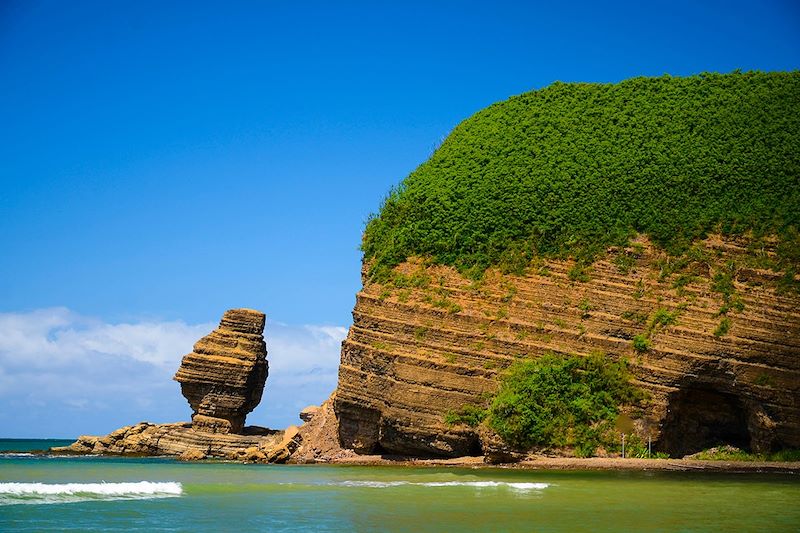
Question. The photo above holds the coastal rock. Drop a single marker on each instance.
(284, 450)
(192, 455)
(416, 353)
(308, 413)
(179, 439)
(253, 454)
(223, 379)
(320, 437)
(495, 450)
(224, 376)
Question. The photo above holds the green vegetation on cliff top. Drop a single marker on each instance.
(573, 168)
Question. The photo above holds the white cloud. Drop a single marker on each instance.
(62, 373)
(57, 336)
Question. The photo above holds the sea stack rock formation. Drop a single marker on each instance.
(224, 376)
(223, 379)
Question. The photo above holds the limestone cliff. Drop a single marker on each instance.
(224, 377)
(724, 366)
(654, 219)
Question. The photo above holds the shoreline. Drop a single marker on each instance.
(533, 463)
(587, 464)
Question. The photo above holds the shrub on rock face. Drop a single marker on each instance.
(557, 401)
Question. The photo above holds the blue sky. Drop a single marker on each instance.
(162, 162)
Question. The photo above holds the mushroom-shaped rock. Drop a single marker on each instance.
(224, 376)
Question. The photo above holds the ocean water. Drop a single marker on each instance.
(41, 493)
(27, 445)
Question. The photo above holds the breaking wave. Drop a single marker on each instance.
(15, 493)
(476, 484)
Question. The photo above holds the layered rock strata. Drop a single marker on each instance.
(173, 439)
(223, 379)
(718, 347)
(224, 376)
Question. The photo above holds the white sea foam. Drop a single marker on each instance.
(13, 493)
(475, 484)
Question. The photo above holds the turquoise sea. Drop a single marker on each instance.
(42, 493)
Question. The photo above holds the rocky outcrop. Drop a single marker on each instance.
(319, 436)
(180, 439)
(223, 379)
(718, 347)
(224, 376)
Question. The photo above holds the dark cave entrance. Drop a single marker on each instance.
(701, 417)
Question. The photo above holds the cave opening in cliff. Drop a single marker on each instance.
(702, 417)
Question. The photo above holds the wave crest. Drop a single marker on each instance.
(12, 493)
(476, 484)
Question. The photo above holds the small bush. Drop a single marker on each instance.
(634, 316)
(416, 280)
(385, 293)
(624, 262)
(722, 282)
(662, 318)
(641, 343)
(636, 448)
(723, 328)
(788, 283)
(728, 453)
(579, 272)
(764, 380)
(555, 401)
(640, 290)
(682, 280)
(585, 308)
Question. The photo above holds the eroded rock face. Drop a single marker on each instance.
(181, 440)
(717, 373)
(320, 435)
(224, 376)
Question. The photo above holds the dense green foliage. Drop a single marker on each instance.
(556, 401)
(573, 168)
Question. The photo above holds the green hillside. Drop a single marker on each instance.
(573, 168)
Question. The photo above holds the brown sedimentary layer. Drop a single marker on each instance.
(169, 439)
(224, 376)
(181, 439)
(419, 350)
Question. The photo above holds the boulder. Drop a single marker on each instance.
(284, 450)
(308, 413)
(192, 455)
